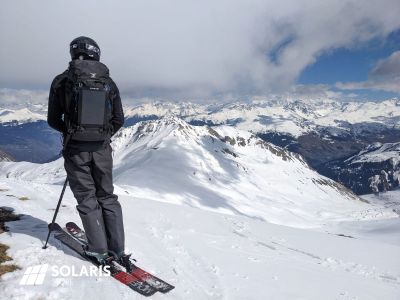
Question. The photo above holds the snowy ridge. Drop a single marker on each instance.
(378, 152)
(20, 116)
(227, 170)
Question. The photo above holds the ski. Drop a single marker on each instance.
(76, 232)
(133, 282)
(157, 283)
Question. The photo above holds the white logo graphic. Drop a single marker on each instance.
(34, 275)
(92, 75)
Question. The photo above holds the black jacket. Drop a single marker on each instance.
(56, 112)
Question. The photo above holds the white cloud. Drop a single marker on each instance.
(389, 86)
(384, 76)
(387, 68)
(186, 47)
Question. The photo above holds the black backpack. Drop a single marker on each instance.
(88, 103)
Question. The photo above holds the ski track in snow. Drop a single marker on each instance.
(206, 255)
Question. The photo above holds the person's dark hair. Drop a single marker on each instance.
(85, 47)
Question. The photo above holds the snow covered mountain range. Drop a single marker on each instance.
(221, 169)
(327, 133)
(293, 117)
(219, 213)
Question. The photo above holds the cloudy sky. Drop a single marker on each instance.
(190, 49)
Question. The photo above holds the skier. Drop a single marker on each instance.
(85, 106)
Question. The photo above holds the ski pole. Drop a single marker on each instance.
(56, 212)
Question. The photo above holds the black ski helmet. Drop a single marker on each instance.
(84, 46)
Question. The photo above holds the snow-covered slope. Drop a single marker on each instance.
(206, 255)
(389, 199)
(221, 169)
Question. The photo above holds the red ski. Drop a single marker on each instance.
(137, 272)
(130, 280)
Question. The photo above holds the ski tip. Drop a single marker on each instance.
(166, 289)
(53, 226)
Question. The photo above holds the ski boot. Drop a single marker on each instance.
(125, 260)
(102, 259)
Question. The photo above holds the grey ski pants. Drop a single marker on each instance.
(90, 178)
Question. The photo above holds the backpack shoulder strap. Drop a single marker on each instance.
(58, 86)
(58, 80)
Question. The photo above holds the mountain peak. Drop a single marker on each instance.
(225, 169)
(21, 115)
